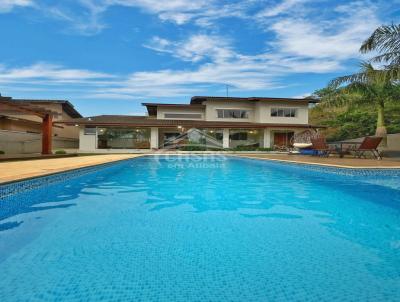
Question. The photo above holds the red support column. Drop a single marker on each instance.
(47, 127)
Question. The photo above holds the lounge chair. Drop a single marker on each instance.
(369, 144)
(321, 148)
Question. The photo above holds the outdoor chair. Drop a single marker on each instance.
(320, 147)
(369, 144)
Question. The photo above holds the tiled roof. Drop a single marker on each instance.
(67, 106)
(144, 121)
(201, 99)
(11, 106)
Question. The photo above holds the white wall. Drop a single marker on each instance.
(213, 105)
(154, 138)
(263, 113)
(87, 142)
(259, 112)
(15, 142)
(162, 110)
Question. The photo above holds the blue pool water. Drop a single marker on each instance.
(216, 229)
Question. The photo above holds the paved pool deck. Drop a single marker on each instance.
(19, 170)
(346, 162)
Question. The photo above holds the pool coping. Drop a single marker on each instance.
(4, 183)
(202, 154)
(320, 164)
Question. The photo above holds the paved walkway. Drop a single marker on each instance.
(346, 162)
(17, 170)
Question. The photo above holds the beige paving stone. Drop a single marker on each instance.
(18, 170)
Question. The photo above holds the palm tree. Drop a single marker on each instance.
(386, 41)
(369, 85)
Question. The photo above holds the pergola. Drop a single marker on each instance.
(12, 107)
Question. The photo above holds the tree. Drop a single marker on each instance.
(386, 41)
(369, 85)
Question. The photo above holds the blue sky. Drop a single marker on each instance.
(109, 56)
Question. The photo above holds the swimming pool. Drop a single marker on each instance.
(202, 229)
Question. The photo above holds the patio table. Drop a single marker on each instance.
(344, 147)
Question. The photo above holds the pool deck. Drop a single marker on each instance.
(347, 162)
(19, 170)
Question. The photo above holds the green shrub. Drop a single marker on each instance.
(245, 148)
(264, 149)
(250, 148)
(59, 152)
(2, 152)
(193, 148)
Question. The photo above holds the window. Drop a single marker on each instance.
(183, 115)
(238, 136)
(232, 113)
(90, 130)
(284, 112)
(123, 138)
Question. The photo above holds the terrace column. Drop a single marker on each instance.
(267, 138)
(154, 138)
(47, 126)
(225, 138)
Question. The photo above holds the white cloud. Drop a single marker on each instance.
(195, 48)
(283, 7)
(339, 39)
(49, 73)
(88, 20)
(8, 5)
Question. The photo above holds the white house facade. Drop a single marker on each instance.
(233, 122)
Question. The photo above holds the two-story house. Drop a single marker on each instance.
(228, 121)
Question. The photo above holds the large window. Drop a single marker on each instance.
(245, 137)
(232, 113)
(123, 138)
(284, 112)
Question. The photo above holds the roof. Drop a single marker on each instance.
(144, 121)
(10, 106)
(201, 99)
(66, 105)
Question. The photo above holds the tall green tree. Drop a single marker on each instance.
(369, 85)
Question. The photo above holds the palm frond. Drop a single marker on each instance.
(392, 57)
(339, 81)
(385, 38)
(393, 73)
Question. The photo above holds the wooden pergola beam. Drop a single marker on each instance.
(6, 104)
(12, 106)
